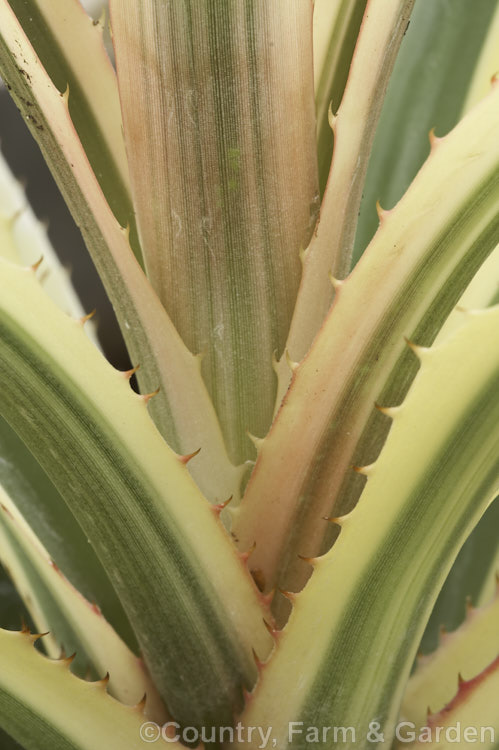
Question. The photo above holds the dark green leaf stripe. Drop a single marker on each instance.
(427, 90)
(405, 575)
(60, 628)
(24, 724)
(376, 587)
(129, 317)
(151, 528)
(334, 77)
(53, 523)
(155, 573)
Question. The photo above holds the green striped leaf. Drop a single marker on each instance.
(45, 707)
(423, 256)
(70, 47)
(470, 717)
(431, 86)
(461, 655)
(336, 28)
(218, 112)
(159, 540)
(354, 630)
(330, 248)
(183, 410)
(73, 624)
(54, 524)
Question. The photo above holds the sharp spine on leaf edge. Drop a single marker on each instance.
(337, 520)
(35, 266)
(335, 283)
(87, 317)
(364, 470)
(331, 117)
(419, 351)
(219, 507)
(387, 411)
(434, 139)
(146, 397)
(128, 373)
(309, 560)
(382, 212)
(244, 556)
(188, 456)
(463, 687)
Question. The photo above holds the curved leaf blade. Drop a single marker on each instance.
(160, 541)
(73, 624)
(70, 47)
(224, 181)
(428, 89)
(466, 652)
(183, 410)
(329, 251)
(44, 706)
(423, 256)
(376, 587)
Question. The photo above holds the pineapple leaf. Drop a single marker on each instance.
(183, 410)
(54, 524)
(336, 28)
(432, 85)
(354, 125)
(470, 717)
(70, 47)
(376, 587)
(74, 624)
(425, 253)
(218, 113)
(24, 240)
(45, 707)
(466, 651)
(192, 604)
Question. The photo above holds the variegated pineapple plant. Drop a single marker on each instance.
(351, 417)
